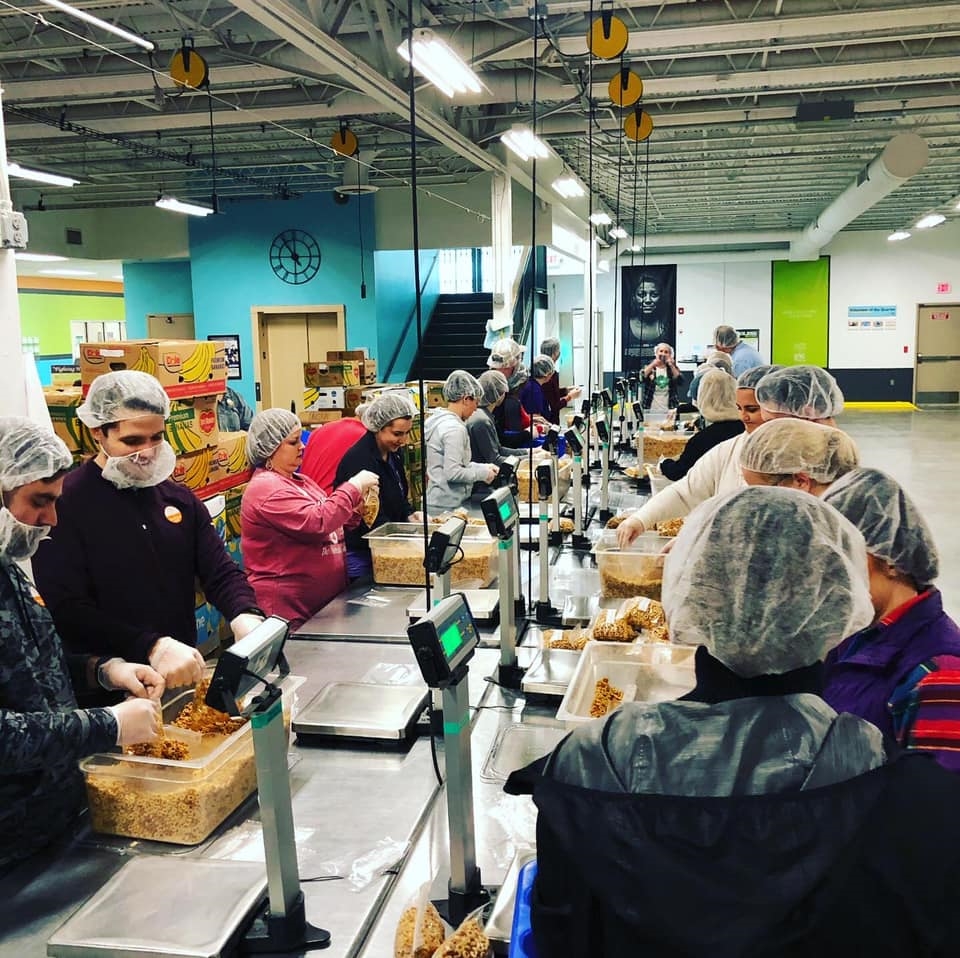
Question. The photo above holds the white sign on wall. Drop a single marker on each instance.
(871, 317)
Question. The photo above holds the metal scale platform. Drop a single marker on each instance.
(484, 604)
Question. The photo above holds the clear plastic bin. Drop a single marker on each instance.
(397, 552)
(658, 481)
(635, 570)
(659, 443)
(524, 490)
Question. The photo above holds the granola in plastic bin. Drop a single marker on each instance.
(420, 931)
(606, 697)
(670, 527)
(572, 639)
(608, 627)
(643, 613)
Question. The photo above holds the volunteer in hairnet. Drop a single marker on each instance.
(902, 672)
(485, 443)
(800, 392)
(119, 573)
(389, 419)
(42, 732)
(657, 823)
(797, 454)
(291, 530)
(451, 473)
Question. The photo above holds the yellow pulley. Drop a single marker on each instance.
(608, 36)
(625, 87)
(638, 125)
(344, 142)
(189, 69)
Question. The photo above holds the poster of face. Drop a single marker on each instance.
(648, 313)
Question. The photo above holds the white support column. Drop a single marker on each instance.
(501, 205)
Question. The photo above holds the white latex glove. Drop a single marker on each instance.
(138, 720)
(363, 480)
(492, 473)
(415, 517)
(139, 680)
(243, 624)
(628, 530)
(573, 393)
(179, 664)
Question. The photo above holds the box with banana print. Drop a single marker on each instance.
(209, 471)
(192, 424)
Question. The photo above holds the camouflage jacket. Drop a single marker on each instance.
(42, 732)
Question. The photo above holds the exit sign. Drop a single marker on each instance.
(944, 288)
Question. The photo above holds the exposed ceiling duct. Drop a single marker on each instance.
(904, 156)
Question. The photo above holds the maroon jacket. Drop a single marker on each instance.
(555, 397)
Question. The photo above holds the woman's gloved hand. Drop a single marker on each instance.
(243, 624)
(116, 675)
(492, 473)
(364, 480)
(138, 720)
(628, 530)
(179, 664)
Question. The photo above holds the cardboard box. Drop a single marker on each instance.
(193, 424)
(340, 373)
(62, 406)
(210, 471)
(352, 397)
(434, 392)
(318, 374)
(233, 497)
(317, 417)
(336, 355)
(317, 398)
(184, 367)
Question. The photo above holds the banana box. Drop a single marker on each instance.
(317, 398)
(192, 424)
(233, 550)
(185, 367)
(233, 497)
(352, 397)
(315, 417)
(433, 388)
(340, 372)
(229, 465)
(62, 406)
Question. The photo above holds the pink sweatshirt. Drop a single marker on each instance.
(292, 542)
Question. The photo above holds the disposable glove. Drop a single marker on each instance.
(138, 720)
(140, 680)
(363, 480)
(243, 624)
(179, 664)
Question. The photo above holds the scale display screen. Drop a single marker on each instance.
(452, 639)
(444, 639)
(500, 512)
(505, 511)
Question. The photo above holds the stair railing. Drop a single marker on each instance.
(408, 323)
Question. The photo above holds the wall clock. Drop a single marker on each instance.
(295, 256)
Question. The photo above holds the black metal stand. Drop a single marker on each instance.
(457, 905)
(510, 676)
(605, 514)
(283, 934)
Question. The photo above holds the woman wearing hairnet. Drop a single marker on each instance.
(556, 397)
(451, 473)
(902, 672)
(485, 444)
(715, 360)
(718, 406)
(532, 396)
(42, 732)
(801, 392)
(388, 419)
(512, 420)
(747, 818)
(291, 531)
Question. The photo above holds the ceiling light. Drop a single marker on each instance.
(568, 187)
(524, 143)
(97, 22)
(635, 249)
(66, 272)
(600, 219)
(439, 63)
(898, 235)
(930, 220)
(174, 205)
(15, 169)
(618, 232)
(38, 258)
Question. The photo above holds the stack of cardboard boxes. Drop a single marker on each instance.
(334, 388)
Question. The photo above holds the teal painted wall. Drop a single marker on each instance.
(230, 269)
(396, 296)
(159, 287)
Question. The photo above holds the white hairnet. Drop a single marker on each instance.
(542, 366)
(360, 410)
(769, 580)
(127, 394)
(890, 523)
(784, 447)
(387, 407)
(807, 392)
(505, 354)
(750, 378)
(717, 398)
(725, 336)
(494, 385)
(519, 376)
(267, 430)
(721, 361)
(28, 452)
(461, 385)
(550, 347)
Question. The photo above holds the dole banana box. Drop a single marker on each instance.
(315, 417)
(434, 392)
(184, 367)
(229, 465)
(318, 398)
(62, 406)
(341, 372)
(233, 497)
(192, 424)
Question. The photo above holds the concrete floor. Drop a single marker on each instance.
(921, 450)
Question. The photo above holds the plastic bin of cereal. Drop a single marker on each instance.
(635, 570)
(177, 801)
(396, 549)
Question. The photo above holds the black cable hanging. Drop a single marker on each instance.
(591, 255)
(214, 200)
(363, 282)
(617, 318)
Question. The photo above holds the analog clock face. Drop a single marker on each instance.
(295, 256)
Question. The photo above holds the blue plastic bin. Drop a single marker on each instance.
(521, 934)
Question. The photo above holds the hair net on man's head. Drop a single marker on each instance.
(360, 410)
(387, 407)
(494, 385)
(725, 336)
(542, 366)
(784, 447)
(505, 354)
(460, 385)
(806, 392)
(769, 580)
(717, 397)
(749, 378)
(550, 347)
(28, 452)
(127, 394)
(267, 431)
(890, 523)
(518, 377)
(721, 361)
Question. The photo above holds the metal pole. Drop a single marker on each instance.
(508, 629)
(456, 750)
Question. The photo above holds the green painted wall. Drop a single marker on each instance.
(48, 315)
(801, 312)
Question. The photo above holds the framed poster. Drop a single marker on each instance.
(231, 346)
(648, 312)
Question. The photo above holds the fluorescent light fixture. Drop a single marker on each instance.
(522, 141)
(97, 22)
(568, 187)
(174, 205)
(600, 219)
(38, 258)
(898, 235)
(15, 169)
(618, 232)
(930, 220)
(439, 63)
(635, 249)
(66, 272)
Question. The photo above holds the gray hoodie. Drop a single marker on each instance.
(450, 473)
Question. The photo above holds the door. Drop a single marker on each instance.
(287, 340)
(170, 326)
(937, 379)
